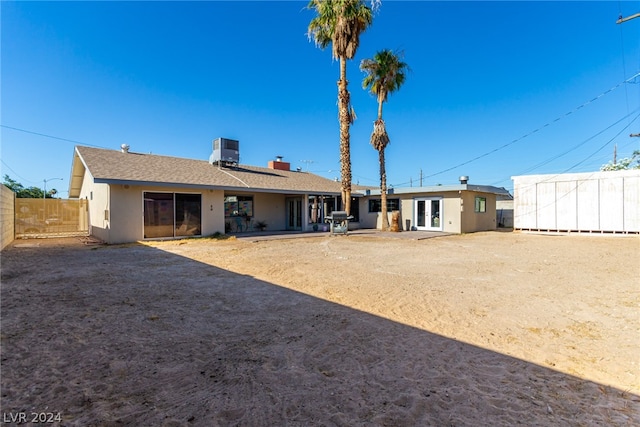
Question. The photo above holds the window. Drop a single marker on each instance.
(172, 214)
(355, 209)
(188, 214)
(375, 205)
(238, 206)
(481, 204)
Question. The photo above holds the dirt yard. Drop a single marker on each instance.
(482, 329)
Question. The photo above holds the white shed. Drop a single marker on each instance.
(604, 202)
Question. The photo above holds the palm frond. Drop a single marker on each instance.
(385, 73)
(340, 22)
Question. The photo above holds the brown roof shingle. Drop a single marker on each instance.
(111, 166)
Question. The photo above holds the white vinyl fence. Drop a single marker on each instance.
(603, 202)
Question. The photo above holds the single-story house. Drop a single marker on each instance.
(134, 196)
(458, 208)
(600, 202)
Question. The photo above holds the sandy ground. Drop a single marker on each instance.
(481, 329)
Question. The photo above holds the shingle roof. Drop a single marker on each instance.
(116, 167)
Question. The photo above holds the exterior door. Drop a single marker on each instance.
(294, 213)
(428, 214)
(171, 214)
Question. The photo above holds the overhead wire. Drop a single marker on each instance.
(552, 177)
(557, 119)
(624, 62)
(50, 136)
(16, 174)
(43, 135)
(604, 145)
(575, 147)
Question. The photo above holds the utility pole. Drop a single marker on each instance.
(615, 153)
(420, 177)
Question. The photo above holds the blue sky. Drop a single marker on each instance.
(496, 89)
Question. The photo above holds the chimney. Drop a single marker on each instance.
(278, 164)
(464, 179)
(124, 148)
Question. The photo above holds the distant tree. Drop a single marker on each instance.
(632, 162)
(26, 193)
(340, 23)
(385, 74)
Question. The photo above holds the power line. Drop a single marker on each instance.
(50, 136)
(575, 147)
(16, 173)
(535, 130)
(629, 80)
(603, 146)
(554, 176)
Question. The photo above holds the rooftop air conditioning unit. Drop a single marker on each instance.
(225, 152)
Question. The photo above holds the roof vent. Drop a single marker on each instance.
(124, 148)
(464, 179)
(225, 152)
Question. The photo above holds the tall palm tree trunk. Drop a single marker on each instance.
(383, 140)
(344, 116)
(383, 190)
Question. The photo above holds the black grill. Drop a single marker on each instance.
(339, 221)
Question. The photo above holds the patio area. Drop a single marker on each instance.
(260, 236)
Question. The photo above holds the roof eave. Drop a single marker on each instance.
(212, 187)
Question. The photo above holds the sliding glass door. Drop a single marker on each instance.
(172, 215)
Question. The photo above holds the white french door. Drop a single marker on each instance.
(428, 214)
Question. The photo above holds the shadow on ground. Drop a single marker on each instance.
(131, 335)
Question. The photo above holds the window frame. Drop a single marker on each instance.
(375, 205)
(246, 210)
(155, 216)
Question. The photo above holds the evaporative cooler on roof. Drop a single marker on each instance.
(225, 152)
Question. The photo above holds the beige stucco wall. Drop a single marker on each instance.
(126, 216)
(97, 196)
(368, 219)
(472, 221)
(269, 208)
(457, 214)
(374, 219)
(212, 212)
(7, 216)
(451, 212)
(116, 211)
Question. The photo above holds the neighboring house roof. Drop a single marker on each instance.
(117, 167)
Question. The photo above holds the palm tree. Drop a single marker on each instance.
(340, 22)
(385, 73)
